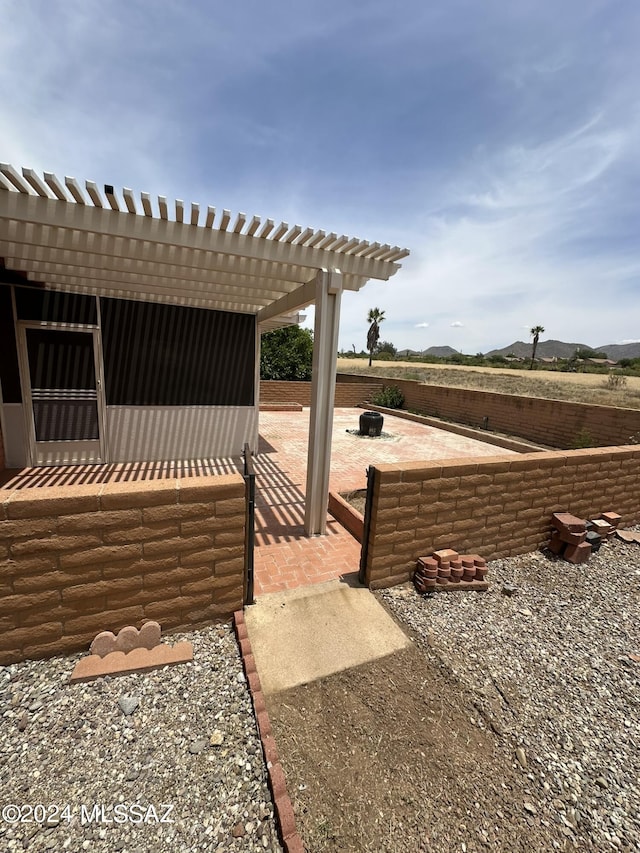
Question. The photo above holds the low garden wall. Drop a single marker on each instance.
(76, 560)
(497, 506)
(555, 423)
(348, 394)
(468, 432)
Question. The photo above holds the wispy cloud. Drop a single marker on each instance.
(457, 324)
(422, 326)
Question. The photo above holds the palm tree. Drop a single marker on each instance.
(536, 331)
(374, 318)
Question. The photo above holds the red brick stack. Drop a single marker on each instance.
(446, 569)
(606, 524)
(574, 538)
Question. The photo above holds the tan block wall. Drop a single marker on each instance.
(498, 506)
(347, 393)
(551, 422)
(76, 560)
(3, 464)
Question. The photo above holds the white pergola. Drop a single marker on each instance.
(93, 241)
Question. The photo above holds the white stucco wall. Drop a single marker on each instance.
(154, 433)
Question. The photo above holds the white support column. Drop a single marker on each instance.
(325, 352)
(255, 440)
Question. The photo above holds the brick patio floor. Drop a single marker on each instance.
(284, 558)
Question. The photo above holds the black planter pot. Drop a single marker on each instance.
(371, 423)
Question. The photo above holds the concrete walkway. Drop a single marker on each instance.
(311, 632)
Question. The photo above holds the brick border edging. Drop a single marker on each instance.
(289, 836)
(346, 515)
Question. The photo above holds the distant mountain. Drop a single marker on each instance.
(560, 349)
(618, 351)
(440, 352)
(545, 349)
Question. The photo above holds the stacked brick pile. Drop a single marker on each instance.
(448, 569)
(574, 538)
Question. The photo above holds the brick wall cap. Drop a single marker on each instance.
(207, 481)
(168, 485)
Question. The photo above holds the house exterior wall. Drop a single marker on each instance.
(77, 560)
(498, 506)
(153, 433)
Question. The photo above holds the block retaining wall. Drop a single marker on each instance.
(555, 423)
(76, 560)
(348, 394)
(468, 432)
(498, 506)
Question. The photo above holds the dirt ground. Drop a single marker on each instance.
(555, 385)
(408, 744)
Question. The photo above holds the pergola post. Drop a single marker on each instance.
(328, 291)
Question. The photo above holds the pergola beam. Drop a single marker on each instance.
(81, 250)
(96, 265)
(84, 219)
(300, 298)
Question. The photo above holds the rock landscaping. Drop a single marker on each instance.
(551, 655)
(166, 760)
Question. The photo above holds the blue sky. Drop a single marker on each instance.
(498, 141)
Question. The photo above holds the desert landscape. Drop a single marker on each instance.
(611, 389)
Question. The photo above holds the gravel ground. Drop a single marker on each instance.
(555, 668)
(188, 753)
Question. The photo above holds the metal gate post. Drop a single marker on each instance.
(249, 529)
(371, 476)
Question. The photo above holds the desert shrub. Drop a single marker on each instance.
(391, 397)
(583, 439)
(615, 382)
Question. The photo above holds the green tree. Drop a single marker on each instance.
(374, 318)
(587, 352)
(287, 354)
(386, 346)
(536, 331)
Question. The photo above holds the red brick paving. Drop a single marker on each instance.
(284, 557)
